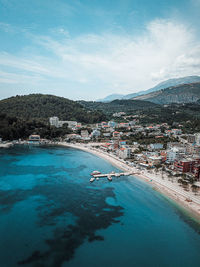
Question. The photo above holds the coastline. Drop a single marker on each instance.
(168, 189)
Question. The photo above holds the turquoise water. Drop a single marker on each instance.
(50, 215)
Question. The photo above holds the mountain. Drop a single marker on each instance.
(41, 107)
(162, 85)
(110, 98)
(128, 106)
(184, 93)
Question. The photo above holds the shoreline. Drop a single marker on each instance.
(178, 195)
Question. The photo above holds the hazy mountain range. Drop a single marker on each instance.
(162, 85)
(182, 93)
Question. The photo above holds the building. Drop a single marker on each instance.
(116, 134)
(106, 134)
(95, 133)
(71, 124)
(73, 137)
(119, 114)
(197, 171)
(34, 139)
(156, 146)
(184, 165)
(197, 139)
(154, 160)
(191, 138)
(54, 121)
(112, 124)
(172, 154)
(124, 152)
(176, 131)
(84, 133)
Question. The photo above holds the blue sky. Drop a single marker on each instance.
(89, 49)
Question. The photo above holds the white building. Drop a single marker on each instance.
(124, 152)
(84, 133)
(174, 153)
(95, 133)
(54, 121)
(156, 146)
(197, 139)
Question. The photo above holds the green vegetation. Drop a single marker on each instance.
(41, 107)
(12, 128)
(187, 115)
(184, 93)
(147, 140)
(127, 106)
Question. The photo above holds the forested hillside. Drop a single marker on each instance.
(41, 107)
(128, 106)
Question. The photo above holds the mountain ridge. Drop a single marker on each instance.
(159, 86)
(184, 93)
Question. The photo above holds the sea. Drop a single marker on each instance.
(51, 215)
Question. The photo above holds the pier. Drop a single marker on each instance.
(109, 176)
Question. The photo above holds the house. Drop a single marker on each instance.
(106, 134)
(95, 133)
(73, 137)
(112, 124)
(122, 142)
(176, 131)
(116, 134)
(156, 146)
(84, 133)
(154, 160)
(71, 124)
(34, 139)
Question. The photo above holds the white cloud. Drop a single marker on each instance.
(112, 63)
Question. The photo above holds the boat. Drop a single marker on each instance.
(92, 180)
(95, 172)
(117, 174)
(109, 177)
(97, 179)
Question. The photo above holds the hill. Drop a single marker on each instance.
(128, 106)
(41, 107)
(162, 85)
(185, 93)
(110, 98)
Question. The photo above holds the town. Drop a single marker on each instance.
(151, 146)
(155, 147)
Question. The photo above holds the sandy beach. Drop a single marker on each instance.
(173, 190)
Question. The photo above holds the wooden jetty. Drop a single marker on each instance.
(110, 175)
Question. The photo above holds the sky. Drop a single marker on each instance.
(88, 49)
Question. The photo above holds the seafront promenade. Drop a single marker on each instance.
(188, 199)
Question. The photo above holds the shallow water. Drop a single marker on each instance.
(50, 215)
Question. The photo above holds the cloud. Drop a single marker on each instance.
(108, 62)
